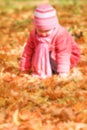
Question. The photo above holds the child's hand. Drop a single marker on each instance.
(63, 75)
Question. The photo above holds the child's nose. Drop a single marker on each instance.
(43, 34)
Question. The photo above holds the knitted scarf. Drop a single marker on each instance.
(41, 65)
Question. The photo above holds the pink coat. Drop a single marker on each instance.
(63, 51)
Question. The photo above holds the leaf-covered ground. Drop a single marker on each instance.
(28, 103)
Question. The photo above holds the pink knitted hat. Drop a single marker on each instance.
(45, 17)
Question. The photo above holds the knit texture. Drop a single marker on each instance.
(57, 52)
(45, 17)
(64, 53)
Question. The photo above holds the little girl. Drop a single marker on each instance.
(49, 48)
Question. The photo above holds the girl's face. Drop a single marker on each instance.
(44, 33)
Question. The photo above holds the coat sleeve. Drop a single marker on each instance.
(25, 62)
(63, 51)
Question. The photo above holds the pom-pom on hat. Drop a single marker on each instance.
(45, 17)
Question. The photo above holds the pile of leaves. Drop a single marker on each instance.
(28, 103)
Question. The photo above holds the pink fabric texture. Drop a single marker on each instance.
(41, 63)
(45, 17)
(65, 54)
(56, 52)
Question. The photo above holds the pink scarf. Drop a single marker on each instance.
(41, 60)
